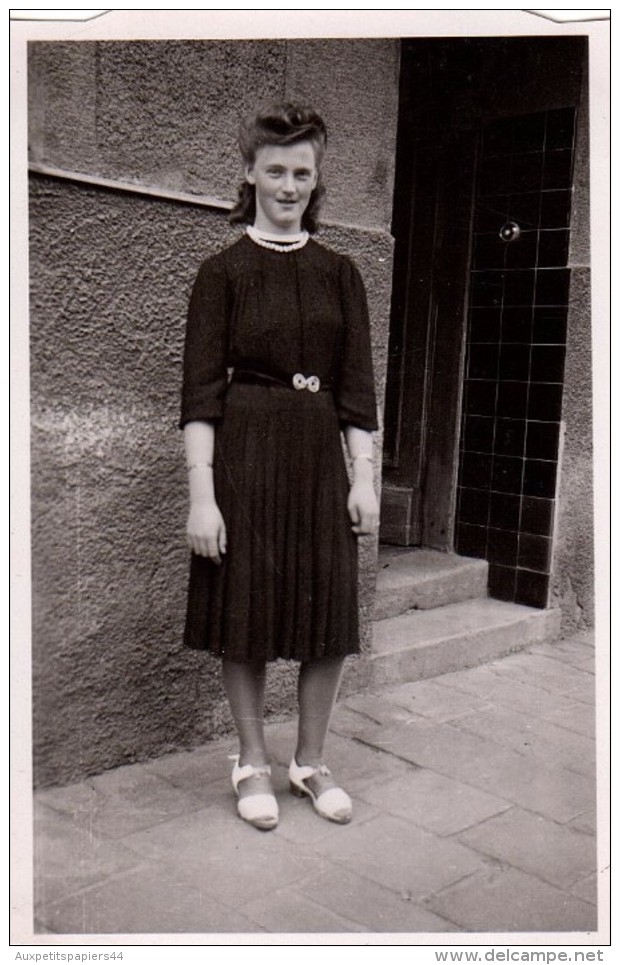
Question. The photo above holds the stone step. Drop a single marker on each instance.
(411, 578)
(427, 643)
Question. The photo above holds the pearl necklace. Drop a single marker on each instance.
(274, 244)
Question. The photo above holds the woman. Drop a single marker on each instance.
(277, 362)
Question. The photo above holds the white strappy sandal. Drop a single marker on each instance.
(334, 804)
(259, 810)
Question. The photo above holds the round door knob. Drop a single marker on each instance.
(510, 231)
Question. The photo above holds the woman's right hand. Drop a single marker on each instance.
(206, 531)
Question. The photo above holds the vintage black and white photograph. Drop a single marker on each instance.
(314, 629)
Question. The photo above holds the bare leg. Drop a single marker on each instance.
(245, 688)
(319, 681)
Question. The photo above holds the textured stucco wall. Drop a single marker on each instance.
(573, 587)
(110, 276)
(166, 114)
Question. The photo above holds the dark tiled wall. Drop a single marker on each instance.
(515, 353)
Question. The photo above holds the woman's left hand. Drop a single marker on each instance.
(363, 508)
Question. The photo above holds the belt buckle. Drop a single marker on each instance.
(311, 382)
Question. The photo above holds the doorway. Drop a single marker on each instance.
(482, 237)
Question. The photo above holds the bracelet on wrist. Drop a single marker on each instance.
(199, 465)
(363, 455)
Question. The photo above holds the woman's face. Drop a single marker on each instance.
(284, 178)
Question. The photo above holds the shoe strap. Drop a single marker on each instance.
(248, 770)
(306, 771)
(242, 772)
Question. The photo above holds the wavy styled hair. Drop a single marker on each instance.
(280, 124)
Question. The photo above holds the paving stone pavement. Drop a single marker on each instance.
(475, 811)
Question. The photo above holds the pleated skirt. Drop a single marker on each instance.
(287, 586)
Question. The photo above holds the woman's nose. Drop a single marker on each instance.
(289, 184)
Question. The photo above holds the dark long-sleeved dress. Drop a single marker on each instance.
(287, 587)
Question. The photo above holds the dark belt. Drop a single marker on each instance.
(298, 381)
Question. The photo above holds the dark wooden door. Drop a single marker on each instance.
(432, 228)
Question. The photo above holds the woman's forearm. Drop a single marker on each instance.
(360, 448)
(362, 502)
(199, 439)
